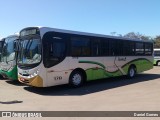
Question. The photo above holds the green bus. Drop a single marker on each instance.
(8, 64)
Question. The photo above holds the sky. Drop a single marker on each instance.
(93, 16)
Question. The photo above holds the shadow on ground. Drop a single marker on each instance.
(2, 78)
(11, 102)
(14, 82)
(92, 87)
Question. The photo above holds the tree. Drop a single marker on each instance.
(116, 34)
(113, 33)
(139, 36)
(132, 35)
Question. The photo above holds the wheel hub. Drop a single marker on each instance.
(132, 72)
(77, 79)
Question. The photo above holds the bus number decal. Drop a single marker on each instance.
(58, 78)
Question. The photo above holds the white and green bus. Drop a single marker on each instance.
(157, 56)
(8, 64)
(50, 57)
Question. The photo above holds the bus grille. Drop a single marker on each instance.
(24, 80)
(24, 74)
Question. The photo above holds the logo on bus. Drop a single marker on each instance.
(25, 72)
(122, 59)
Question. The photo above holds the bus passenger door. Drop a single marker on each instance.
(55, 60)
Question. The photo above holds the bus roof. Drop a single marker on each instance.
(46, 29)
(15, 35)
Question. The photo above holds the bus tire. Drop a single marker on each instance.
(131, 72)
(76, 79)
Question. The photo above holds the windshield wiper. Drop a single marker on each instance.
(27, 48)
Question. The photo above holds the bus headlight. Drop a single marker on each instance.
(29, 75)
(34, 74)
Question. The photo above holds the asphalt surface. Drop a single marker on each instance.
(116, 94)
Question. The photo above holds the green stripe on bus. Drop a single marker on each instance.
(99, 73)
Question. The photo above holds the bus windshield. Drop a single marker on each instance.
(8, 53)
(30, 51)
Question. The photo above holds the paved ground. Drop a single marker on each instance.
(117, 94)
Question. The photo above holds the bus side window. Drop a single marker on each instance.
(119, 48)
(104, 47)
(96, 47)
(139, 48)
(128, 48)
(57, 50)
(80, 46)
(148, 48)
(112, 47)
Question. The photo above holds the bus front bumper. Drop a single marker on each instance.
(36, 81)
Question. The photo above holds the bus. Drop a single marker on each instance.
(50, 56)
(156, 56)
(8, 67)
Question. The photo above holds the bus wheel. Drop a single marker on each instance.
(76, 79)
(131, 72)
